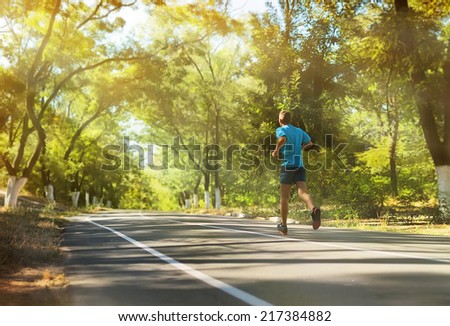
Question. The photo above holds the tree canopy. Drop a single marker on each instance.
(147, 104)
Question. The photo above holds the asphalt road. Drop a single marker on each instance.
(127, 258)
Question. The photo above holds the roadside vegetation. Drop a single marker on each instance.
(411, 221)
(31, 270)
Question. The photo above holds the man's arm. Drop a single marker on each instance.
(280, 142)
(308, 145)
(311, 146)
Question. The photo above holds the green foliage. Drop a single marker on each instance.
(252, 189)
(142, 190)
(360, 194)
(194, 72)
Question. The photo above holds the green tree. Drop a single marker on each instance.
(419, 30)
(302, 56)
(415, 35)
(37, 49)
(200, 94)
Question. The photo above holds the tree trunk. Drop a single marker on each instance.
(393, 150)
(393, 124)
(207, 195)
(393, 166)
(49, 193)
(48, 187)
(207, 200)
(75, 198)
(195, 200)
(197, 184)
(218, 199)
(217, 196)
(216, 174)
(443, 180)
(13, 189)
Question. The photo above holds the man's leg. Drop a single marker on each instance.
(285, 193)
(302, 191)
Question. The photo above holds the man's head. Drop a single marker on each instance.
(284, 118)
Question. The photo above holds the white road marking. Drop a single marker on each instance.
(231, 290)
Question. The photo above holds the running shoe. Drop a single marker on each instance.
(315, 215)
(282, 229)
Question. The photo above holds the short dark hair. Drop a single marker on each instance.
(285, 117)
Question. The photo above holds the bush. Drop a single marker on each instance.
(359, 194)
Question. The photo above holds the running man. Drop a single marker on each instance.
(291, 141)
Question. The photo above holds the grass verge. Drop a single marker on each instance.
(31, 270)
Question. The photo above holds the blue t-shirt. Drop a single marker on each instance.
(292, 149)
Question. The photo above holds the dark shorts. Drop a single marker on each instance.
(290, 175)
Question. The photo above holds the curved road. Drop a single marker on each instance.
(154, 259)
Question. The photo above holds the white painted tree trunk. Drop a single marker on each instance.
(94, 201)
(218, 199)
(49, 193)
(13, 190)
(86, 197)
(75, 198)
(207, 200)
(187, 203)
(443, 180)
(195, 200)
